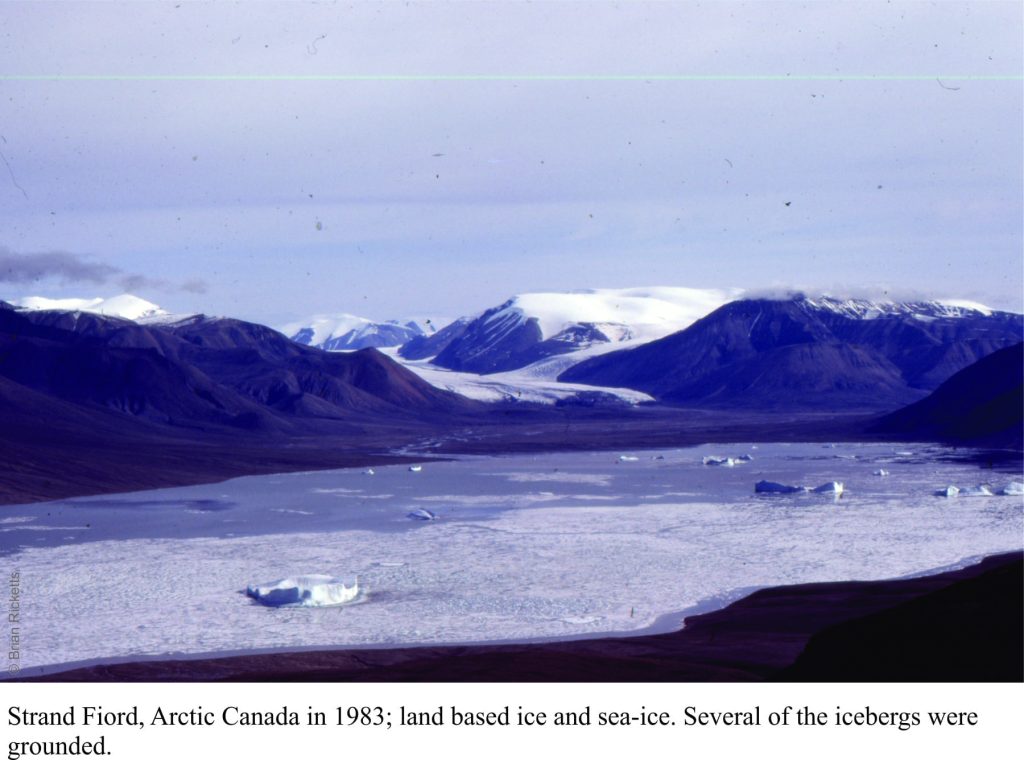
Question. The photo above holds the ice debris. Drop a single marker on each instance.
(627, 458)
(368, 471)
(305, 591)
(881, 473)
(416, 468)
(948, 491)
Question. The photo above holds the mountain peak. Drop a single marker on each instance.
(126, 305)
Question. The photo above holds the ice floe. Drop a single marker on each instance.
(305, 591)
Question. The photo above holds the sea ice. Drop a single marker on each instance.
(305, 591)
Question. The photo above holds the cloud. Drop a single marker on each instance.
(73, 267)
(67, 267)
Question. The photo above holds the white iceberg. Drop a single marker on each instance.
(305, 591)
(1013, 488)
(833, 487)
(422, 514)
(768, 486)
(626, 458)
(416, 468)
(368, 471)
(719, 461)
(881, 473)
(976, 491)
(948, 491)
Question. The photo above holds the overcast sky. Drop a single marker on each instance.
(850, 146)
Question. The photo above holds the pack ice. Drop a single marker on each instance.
(305, 591)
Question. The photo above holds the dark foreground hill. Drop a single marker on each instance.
(803, 353)
(981, 405)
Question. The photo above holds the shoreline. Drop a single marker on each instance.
(159, 465)
(762, 635)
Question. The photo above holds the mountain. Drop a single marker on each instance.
(202, 371)
(808, 353)
(426, 346)
(534, 326)
(124, 305)
(345, 332)
(980, 404)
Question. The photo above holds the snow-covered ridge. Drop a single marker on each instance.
(125, 306)
(620, 314)
(857, 308)
(345, 332)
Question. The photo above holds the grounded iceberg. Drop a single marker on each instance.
(719, 461)
(305, 591)
(768, 486)
(422, 514)
(976, 491)
(833, 487)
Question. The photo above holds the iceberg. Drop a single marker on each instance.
(368, 471)
(948, 491)
(305, 591)
(422, 514)
(626, 458)
(976, 491)
(744, 458)
(719, 461)
(768, 486)
(1013, 488)
(881, 473)
(833, 487)
(416, 468)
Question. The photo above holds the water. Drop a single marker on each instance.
(525, 547)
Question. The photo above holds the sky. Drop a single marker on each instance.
(276, 160)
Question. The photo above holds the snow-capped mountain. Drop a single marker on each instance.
(347, 332)
(532, 327)
(125, 306)
(808, 352)
(859, 308)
